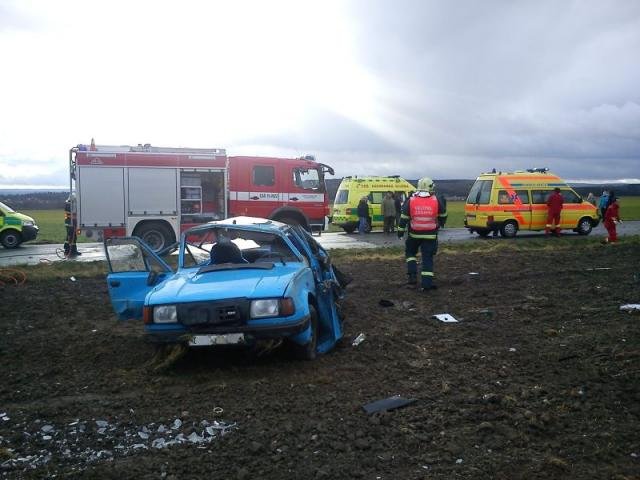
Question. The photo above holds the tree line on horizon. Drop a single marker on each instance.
(451, 189)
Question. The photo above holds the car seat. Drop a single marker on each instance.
(226, 251)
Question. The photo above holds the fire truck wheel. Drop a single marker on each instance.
(155, 234)
(10, 239)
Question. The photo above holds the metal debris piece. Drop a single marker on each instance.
(102, 423)
(358, 340)
(47, 428)
(630, 307)
(387, 404)
(143, 435)
(445, 317)
(177, 423)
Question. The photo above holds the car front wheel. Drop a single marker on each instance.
(584, 226)
(309, 351)
(10, 239)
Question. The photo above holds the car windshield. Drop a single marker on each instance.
(234, 248)
(6, 207)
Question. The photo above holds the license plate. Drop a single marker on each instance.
(207, 340)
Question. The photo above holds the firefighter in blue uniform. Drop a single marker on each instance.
(423, 213)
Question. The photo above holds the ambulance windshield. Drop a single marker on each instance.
(6, 208)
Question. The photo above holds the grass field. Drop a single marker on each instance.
(51, 222)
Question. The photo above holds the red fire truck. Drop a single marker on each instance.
(156, 193)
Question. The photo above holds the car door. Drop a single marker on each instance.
(133, 272)
(327, 288)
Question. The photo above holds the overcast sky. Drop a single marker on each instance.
(447, 89)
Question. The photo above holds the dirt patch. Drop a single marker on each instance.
(539, 379)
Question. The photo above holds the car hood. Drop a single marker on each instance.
(189, 286)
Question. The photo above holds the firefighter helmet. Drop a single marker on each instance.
(425, 184)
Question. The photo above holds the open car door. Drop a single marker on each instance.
(328, 289)
(134, 269)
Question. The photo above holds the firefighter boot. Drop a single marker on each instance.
(413, 279)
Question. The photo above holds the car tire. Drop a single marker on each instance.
(483, 233)
(350, 229)
(584, 226)
(11, 239)
(309, 351)
(293, 222)
(509, 229)
(156, 235)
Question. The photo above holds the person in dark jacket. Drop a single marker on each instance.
(397, 199)
(363, 215)
(554, 203)
(388, 210)
(423, 213)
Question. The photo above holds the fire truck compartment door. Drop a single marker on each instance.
(152, 191)
(101, 198)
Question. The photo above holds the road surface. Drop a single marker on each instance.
(32, 254)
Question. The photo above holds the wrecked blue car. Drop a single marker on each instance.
(238, 281)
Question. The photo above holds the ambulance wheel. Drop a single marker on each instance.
(509, 229)
(11, 239)
(155, 234)
(308, 351)
(584, 226)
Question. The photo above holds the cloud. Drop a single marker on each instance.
(385, 87)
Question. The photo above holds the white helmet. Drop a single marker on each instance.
(425, 184)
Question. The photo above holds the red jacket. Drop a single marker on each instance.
(612, 213)
(554, 202)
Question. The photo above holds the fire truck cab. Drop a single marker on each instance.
(156, 193)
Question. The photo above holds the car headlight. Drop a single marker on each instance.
(165, 314)
(268, 307)
(272, 307)
(28, 223)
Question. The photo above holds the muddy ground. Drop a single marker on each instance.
(539, 379)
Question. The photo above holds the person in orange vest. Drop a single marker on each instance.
(424, 213)
(611, 219)
(554, 202)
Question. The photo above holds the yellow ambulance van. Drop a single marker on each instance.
(15, 227)
(512, 201)
(352, 189)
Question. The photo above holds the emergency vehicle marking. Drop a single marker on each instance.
(277, 196)
(516, 200)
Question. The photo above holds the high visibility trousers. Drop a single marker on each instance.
(612, 234)
(553, 221)
(428, 248)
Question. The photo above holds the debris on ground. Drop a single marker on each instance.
(80, 443)
(358, 340)
(387, 404)
(385, 303)
(631, 308)
(445, 317)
